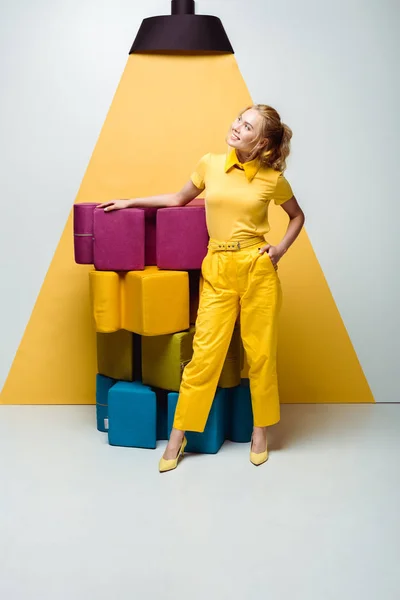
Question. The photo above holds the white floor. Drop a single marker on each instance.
(80, 519)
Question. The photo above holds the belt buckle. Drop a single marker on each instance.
(229, 246)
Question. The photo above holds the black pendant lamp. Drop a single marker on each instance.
(182, 31)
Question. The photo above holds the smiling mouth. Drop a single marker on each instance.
(234, 136)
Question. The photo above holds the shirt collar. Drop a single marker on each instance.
(250, 168)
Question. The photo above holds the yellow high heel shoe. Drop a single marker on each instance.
(169, 464)
(258, 458)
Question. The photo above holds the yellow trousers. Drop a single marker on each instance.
(236, 279)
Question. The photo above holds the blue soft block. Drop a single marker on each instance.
(102, 417)
(132, 415)
(213, 436)
(239, 414)
(103, 385)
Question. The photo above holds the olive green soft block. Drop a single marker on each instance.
(164, 358)
(115, 355)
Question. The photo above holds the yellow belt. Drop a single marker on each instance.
(236, 245)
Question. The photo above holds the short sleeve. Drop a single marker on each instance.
(283, 191)
(199, 174)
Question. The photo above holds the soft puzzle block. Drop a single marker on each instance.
(137, 357)
(119, 239)
(239, 414)
(115, 355)
(156, 302)
(132, 415)
(164, 358)
(213, 436)
(149, 302)
(83, 233)
(105, 296)
(182, 237)
(103, 386)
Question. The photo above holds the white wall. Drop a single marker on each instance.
(329, 68)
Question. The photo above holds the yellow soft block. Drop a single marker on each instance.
(156, 302)
(105, 295)
(115, 355)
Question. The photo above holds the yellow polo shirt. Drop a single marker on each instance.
(237, 195)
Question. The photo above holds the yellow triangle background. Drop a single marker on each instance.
(168, 111)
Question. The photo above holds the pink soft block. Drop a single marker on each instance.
(119, 240)
(150, 254)
(83, 233)
(182, 237)
(150, 250)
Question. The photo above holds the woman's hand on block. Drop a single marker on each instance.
(114, 205)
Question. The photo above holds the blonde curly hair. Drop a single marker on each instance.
(277, 149)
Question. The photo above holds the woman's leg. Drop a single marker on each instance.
(260, 305)
(216, 317)
(215, 322)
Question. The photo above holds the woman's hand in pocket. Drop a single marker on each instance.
(274, 253)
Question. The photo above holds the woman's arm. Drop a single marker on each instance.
(185, 195)
(296, 222)
(297, 218)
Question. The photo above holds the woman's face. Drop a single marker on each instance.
(244, 130)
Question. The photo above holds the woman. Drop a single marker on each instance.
(239, 271)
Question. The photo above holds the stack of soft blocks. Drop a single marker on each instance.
(145, 290)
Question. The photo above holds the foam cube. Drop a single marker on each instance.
(119, 239)
(105, 295)
(211, 439)
(239, 414)
(156, 302)
(182, 237)
(137, 357)
(115, 355)
(132, 415)
(103, 386)
(164, 357)
(83, 232)
(148, 302)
